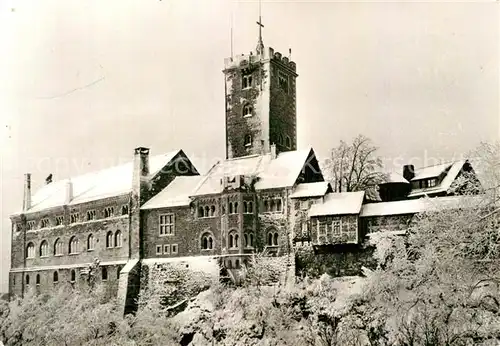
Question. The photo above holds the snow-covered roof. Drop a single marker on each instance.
(339, 204)
(176, 194)
(270, 173)
(413, 206)
(310, 190)
(453, 169)
(396, 178)
(109, 182)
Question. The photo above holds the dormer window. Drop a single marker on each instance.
(45, 223)
(248, 141)
(431, 182)
(247, 111)
(246, 81)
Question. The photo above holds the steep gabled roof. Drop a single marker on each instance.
(450, 169)
(270, 173)
(176, 194)
(339, 203)
(109, 182)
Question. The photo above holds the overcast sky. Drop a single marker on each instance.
(84, 82)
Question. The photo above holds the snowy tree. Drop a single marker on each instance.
(354, 166)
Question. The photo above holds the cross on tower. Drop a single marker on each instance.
(260, 44)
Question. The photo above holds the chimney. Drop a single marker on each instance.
(141, 161)
(273, 151)
(69, 192)
(408, 172)
(27, 192)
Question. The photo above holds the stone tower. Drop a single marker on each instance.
(260, 102)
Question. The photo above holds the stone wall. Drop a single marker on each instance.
(339, 260)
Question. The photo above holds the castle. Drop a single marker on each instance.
(267, 197)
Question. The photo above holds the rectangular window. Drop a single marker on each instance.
(283, 81)
(75, 217)
(167, 224)
(59, 220)
(322, 227)
(174, 249)
(431, 182)
(166, 249)
(336, 227)
(158, 249)
(246, 81)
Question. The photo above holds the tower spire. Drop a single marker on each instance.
(260, 44)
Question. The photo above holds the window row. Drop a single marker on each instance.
(336, 226)
(207, 211)
(112, 240)
(233, 241)
(272, 205)
(286, 142)
(73, 277)
(167, 249)
(73, 218)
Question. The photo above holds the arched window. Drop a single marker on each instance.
(288, 142)
(212, 210)
(90, 242)
(275, 239)
(207, 211)
(278, 204)
(55, 277)
(27, 280)
(266, 205)
(245, 207)
(247, 111)
(272, 205)
(125, 210)
(73, 245)
(248, 239)
(233, 239)
(280, 139)
(109, 239)
(236, 207)
(207, 241)
(118, 238)
(270, 239)
(44, 249)
(248, 140)
(37, 279)
(236, 241)
(30, 250)
(229, 264)
(104, 273)
(200, 212)
(237, 264)
(230, 207)
(58, 247)
(250, 207)
(73, 275)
